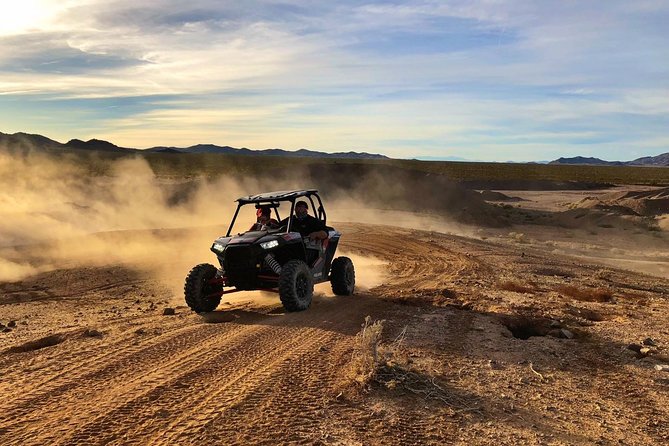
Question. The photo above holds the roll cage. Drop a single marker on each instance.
(274, 199)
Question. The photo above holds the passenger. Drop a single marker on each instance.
(264, 220)
(305, 224)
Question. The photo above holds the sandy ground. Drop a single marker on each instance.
(488, 339)
(551, 221)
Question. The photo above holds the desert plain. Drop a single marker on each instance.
(485, 312)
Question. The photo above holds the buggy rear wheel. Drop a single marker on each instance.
(296, 286)
(201, 295)
(342, 276)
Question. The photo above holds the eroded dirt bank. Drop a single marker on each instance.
(504, 344)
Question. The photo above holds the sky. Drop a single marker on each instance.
(488, 80)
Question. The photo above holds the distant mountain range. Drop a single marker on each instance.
(659, 160)
(23, 142)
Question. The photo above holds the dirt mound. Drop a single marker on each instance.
(546, 185)
(599, 217)
(599, 204)
(490, 195)
(647, 203)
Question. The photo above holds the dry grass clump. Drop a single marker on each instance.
(516, 287)
(518, 237)
(366, 357)
(552, 272)
(585, 294)
(376, 364)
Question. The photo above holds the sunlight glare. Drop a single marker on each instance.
(20, 16)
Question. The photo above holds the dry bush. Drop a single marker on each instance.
(637, 298)
(516, 287)
(585, 294)
(547, 271)
(366, 357)
(373, 363)
(519, 237)
(602, 274)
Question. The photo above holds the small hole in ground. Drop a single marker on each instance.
(524, 327)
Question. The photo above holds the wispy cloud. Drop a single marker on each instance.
(478, 79)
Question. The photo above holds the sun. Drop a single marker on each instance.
(17, 17)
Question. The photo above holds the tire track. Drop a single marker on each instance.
(243, 362)
(276, 388)
(121, 374)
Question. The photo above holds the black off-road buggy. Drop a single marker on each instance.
(272, 259)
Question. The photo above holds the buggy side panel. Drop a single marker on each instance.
(330, 249)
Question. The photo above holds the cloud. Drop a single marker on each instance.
(334, 75)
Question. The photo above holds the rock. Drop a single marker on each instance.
(2, 325)
(449, 294)
(662, 367)
(650, 341)
(495, 365)
(6, 330)
(11, 324)
(92, 333)
(561, 333)
(169, 312)
(555, 333)
(555, 324)
(644, 351)
(634, 347)
(567, 334)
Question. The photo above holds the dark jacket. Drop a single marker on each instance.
(305, 226)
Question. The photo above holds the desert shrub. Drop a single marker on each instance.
(547, 271)
(585, 294)
(366, 357)
(519, 237)
(516, 287)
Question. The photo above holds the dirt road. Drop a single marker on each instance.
(501, 345)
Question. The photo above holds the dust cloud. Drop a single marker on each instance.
(663, 222)
(48, 211)
(370, 272)
(55, 214)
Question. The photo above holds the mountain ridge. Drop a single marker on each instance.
(660, 160)
(24, 142)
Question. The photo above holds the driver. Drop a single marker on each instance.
(305, 224)
(264, 220)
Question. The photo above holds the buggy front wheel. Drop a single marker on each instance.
(342, 276)
(202, 296)
(296, 286)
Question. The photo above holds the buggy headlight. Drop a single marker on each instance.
(269, 245)
(218, 247)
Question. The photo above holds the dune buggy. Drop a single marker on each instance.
(277, 259)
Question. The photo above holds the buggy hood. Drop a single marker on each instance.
(247, 237)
